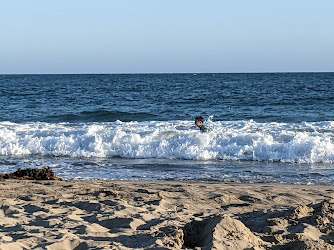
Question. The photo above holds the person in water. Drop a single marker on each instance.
(199, 122)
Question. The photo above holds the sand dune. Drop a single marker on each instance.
(164, 215)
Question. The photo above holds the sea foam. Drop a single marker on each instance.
(228, 140)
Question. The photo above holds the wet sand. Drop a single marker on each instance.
(164, 215)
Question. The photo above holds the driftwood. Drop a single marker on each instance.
(32, 174)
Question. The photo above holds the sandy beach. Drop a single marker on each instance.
(164, 215)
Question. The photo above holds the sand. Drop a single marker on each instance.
(164, 215)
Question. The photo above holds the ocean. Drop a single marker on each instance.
(265, 127)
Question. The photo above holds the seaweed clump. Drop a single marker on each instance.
(45, 173)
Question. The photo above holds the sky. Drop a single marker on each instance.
(166, 36)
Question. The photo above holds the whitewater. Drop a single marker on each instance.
(246, 140)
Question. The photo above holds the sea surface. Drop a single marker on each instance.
(266, 127)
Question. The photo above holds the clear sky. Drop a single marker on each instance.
(172, 36)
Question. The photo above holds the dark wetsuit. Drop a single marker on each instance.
(204, 129)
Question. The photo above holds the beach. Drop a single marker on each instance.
(138, 173)
(164, 215)
(166, 125)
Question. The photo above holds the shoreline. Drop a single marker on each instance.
(164, 215)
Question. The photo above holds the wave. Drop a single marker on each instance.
(101, 116)
(228, 140)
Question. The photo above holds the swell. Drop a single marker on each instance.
(100, 116)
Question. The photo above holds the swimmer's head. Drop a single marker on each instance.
(199, 120)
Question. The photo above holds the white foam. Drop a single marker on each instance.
(232, 140)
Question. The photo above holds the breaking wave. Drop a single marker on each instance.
(229, 140)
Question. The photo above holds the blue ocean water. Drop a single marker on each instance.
(270, 127)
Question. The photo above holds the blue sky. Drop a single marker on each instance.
(171, 36)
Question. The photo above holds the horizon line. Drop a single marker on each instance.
(161, 73)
